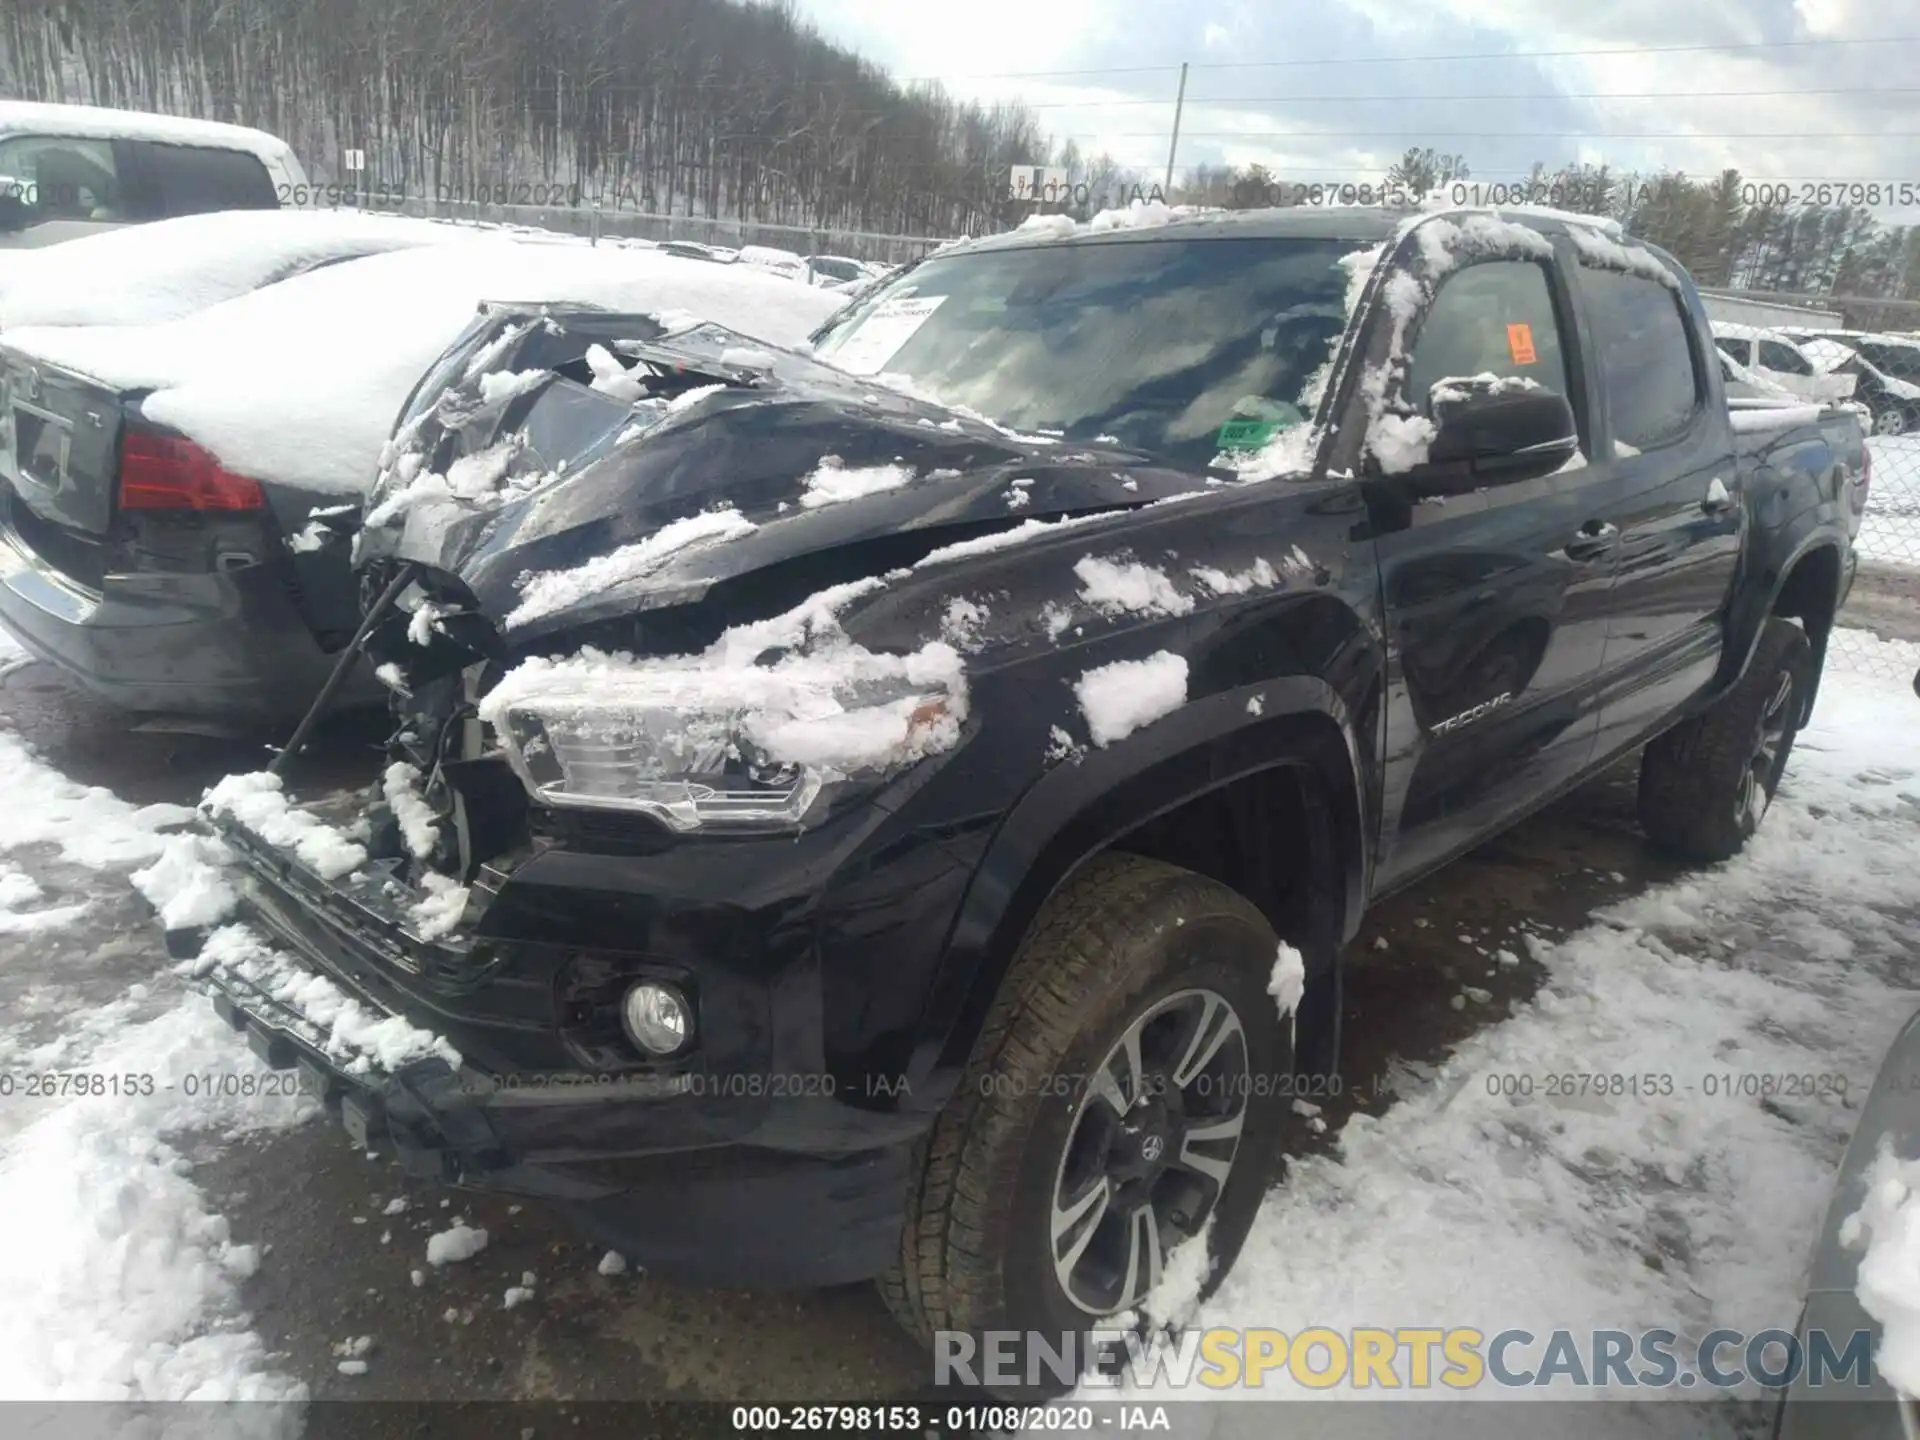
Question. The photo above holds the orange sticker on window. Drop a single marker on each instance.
(1520, 344)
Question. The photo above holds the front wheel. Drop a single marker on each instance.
(1124, 1103)
(1706, 784)
(1890, 419)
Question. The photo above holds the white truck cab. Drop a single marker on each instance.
(71, 170)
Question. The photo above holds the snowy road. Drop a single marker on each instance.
(171, 1244)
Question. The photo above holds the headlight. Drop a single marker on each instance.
(744, 769)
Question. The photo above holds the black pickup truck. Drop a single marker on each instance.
(896, 811)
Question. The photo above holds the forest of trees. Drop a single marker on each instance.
(741, 111)
(693, 107)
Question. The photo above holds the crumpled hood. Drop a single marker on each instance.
(792, 459)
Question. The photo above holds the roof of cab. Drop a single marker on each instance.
(1364, 224)
(93, 122)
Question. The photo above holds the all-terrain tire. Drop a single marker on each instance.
(1694, 777)
(1125, 935)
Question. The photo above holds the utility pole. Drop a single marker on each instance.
(1179, 104)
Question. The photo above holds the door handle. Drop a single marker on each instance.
(1593, 540)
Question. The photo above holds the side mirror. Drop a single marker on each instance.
(1494, 431)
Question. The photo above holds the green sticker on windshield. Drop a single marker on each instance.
(1248, 434)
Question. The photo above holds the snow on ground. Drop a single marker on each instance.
(1467, 1204)
(120, 1284)
(299, 382)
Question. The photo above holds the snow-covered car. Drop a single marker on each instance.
(1775, 356)
(1862, 1280)
(693, 250)
(172, 495)
(1887, 367)
(71, 170)
(778, 262)
(149, 274)
(836, 269)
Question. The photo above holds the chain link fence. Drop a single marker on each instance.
(1879, 630)
(601, 222)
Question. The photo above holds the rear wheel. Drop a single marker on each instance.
(1125, 1100)
(1706, 784)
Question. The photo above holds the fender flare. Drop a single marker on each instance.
(1079, 808)
(1744, 625)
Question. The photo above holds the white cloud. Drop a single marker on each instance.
(1461, 75)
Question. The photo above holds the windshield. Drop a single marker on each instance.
(1181, 348)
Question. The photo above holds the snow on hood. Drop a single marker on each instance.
(300, 382)
(149, 274)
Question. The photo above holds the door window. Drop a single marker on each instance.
(1494, 318)
(1784, 358)
(57, 177)
(194, 179)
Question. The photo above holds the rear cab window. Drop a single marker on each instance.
(196, 179)
(1645, 354)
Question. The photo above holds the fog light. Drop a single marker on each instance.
(657, 1017)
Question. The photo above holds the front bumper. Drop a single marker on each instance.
(749, 1166)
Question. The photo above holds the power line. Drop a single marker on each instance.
(1409, 99)
(1425, 59)
(1416, 131)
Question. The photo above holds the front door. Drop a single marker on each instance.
(1495, 601)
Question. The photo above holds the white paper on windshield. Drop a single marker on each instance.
(879, 337)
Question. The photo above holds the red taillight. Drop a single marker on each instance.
(164, 472)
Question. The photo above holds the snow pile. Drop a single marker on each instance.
(358, 1039)
(1288, 981)
(1680, 1207)
(299, 382)
(258, 801)
(1142, 215)
(1120, 698)
(451, 1246)
(612, 1263)
(419, 826)
(1888, 1223)
(188, 884)
(1183, 1279)
(1760, 419)
(1130, 587)
(831, 482)
(152, 273)
(1610, 254)
(440, 912)
(551, 591)
(120, 1284)
(825, 702)
(1258, 576)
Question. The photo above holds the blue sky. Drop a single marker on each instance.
(1366, 78)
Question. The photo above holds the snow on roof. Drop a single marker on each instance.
(147, 274)
(300, 382)
(21, 117)
(1733, 330)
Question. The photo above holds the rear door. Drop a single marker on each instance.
(1496, 600)
(1672, 499)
